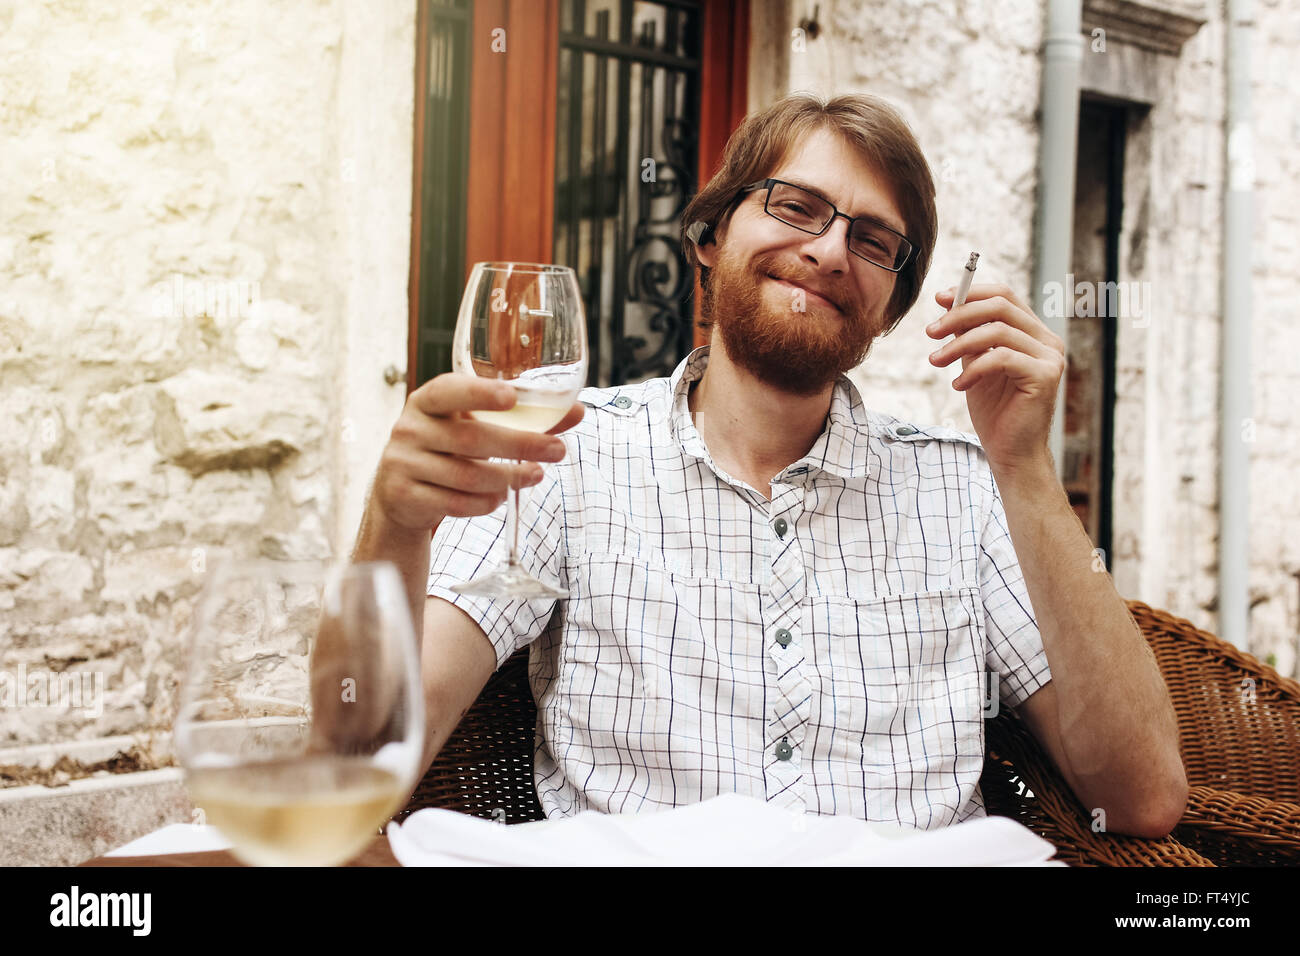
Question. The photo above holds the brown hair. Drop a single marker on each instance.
(868, 123)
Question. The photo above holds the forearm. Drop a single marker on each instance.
(379, 539)
(334, 659)
(1117, 723)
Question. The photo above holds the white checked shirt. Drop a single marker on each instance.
(825, 650)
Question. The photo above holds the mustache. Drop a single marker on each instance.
(844, 298)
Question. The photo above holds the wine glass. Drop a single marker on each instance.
(523, 323)
(301, 718)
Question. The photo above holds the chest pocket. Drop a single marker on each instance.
(902, 680)
(667, 645)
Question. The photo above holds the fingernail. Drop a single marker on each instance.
(933, 326)
(506, 394)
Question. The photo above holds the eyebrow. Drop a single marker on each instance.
(794, 181)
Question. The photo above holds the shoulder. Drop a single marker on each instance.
(625, 401)
(948, 449)
(887, 428)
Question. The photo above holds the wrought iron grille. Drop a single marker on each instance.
(626, 155)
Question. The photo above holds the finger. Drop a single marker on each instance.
(575, 415)
(1025, 372)
(985, 337)
(461, 504)
(422, 497)
(462, 435)
(987, 290)
(968, 316)
(472, 475)
(475, 439)
(451, 392)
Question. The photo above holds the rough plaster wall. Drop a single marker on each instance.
(199, 147)
(1166, 415)
(1275, 453)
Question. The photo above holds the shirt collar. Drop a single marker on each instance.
(840, 449)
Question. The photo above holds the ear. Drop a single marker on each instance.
(701, 233)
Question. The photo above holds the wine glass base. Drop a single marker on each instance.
(509, 582)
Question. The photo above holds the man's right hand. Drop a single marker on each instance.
(434, 465)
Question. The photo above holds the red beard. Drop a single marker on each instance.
(797, 352)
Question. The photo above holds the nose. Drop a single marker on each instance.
(830, 250)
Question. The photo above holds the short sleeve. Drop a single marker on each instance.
(466, 548)
(1015, 648)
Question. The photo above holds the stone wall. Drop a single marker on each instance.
(1275, 452)
(202, 276)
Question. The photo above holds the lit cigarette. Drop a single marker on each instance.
(967, 275)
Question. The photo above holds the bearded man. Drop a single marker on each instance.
(773, 590)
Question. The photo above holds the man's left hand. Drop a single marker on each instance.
(1011, 369)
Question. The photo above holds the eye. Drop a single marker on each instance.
(874, 241)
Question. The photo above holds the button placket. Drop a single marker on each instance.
(790, 707)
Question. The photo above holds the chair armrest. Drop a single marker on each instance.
(1237, 829)
(1020, 781)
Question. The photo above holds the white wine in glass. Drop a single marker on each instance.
(298, 811)
(301, 720)
(523, 323)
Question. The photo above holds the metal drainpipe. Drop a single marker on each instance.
(1057, 155)
(1236, 429)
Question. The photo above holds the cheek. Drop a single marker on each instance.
(882, 289)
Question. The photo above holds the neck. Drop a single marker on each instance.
(750, 428)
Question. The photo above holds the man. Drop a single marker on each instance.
(774, 590)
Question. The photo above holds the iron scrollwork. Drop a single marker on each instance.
(658, 275)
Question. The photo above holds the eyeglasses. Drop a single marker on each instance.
(868, 238)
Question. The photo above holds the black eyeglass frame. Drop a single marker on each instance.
(835, 214)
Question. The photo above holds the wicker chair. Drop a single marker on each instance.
(1244, 806)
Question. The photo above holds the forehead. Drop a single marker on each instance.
(824, 162)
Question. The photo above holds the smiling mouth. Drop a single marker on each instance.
(804, 289)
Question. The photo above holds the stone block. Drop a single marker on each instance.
(205, 421)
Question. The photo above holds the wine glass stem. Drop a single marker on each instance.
(512, 523)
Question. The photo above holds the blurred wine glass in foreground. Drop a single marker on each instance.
(301, 718)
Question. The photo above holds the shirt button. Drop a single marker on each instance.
(779, 526)
(783, 750)
(622, 402)
(906, 430)
(782, 636)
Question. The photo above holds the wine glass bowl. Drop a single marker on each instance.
(301, 718)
